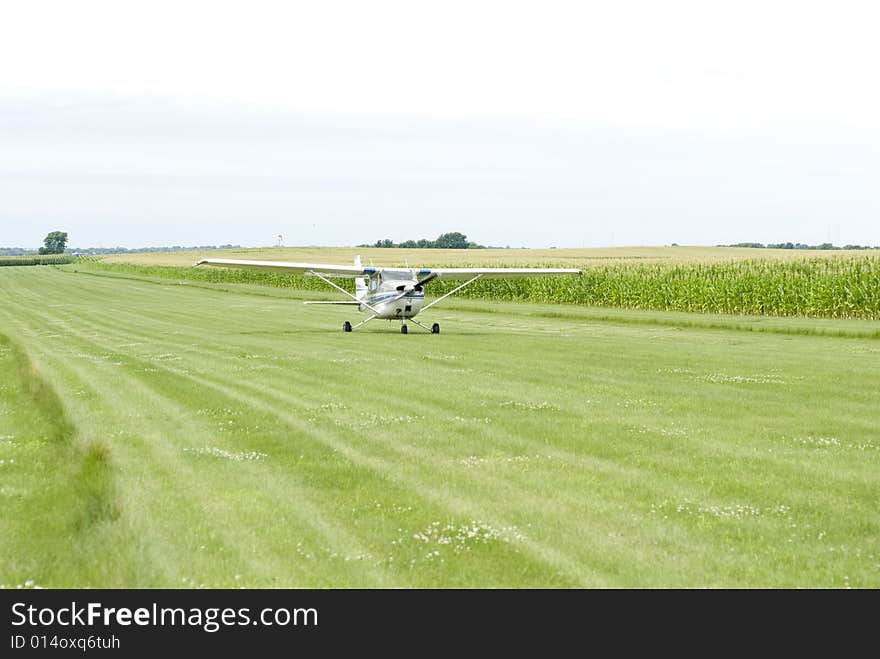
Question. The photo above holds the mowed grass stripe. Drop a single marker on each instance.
(57, 493)
(404, 467)
(615, 536)
(178, 479)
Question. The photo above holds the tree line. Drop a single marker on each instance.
(798, 246)
(452, 240)
(54, 246)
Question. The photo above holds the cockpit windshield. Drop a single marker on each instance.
(397, 275)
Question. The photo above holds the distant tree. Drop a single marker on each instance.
(54, 242)
(453, 240)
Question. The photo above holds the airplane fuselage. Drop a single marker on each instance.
(393, 298)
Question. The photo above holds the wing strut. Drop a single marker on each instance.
(344, 292)
(363, 322)
(454, 290)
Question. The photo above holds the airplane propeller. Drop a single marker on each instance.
(417, 287)
(406, 289)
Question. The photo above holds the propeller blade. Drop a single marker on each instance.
(422, 282)
(395, 299)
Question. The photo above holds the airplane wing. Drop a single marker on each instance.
(328, 270)
(495, 273)
(335, 270)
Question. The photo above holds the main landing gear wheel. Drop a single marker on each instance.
(346, 326)
(435, 328)
(403, 329)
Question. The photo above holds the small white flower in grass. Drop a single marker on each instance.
(735, 511)
(212, 451)
(530, 406)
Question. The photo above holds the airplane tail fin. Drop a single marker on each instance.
(360, 283)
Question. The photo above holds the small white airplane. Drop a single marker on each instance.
(388, 293)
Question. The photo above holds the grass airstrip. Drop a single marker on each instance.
(170, 433)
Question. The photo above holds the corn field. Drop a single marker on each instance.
(837, 288)
(36, 259)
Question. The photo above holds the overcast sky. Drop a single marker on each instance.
(517, 123)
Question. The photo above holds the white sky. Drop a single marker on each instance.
(780, 96)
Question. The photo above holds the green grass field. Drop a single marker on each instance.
(164, 434)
